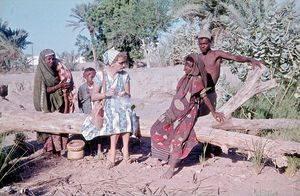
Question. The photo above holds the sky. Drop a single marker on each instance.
(45, 22)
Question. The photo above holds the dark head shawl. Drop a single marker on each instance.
(46, 77)
(198, 73)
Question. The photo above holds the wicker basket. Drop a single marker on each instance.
(75, 149)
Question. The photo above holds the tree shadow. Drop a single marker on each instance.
(194, 157)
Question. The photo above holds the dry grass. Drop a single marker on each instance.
(257, 156)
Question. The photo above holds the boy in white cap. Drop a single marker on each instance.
(212, 60)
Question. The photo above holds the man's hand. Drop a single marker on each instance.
(218, 116)
(256, 63)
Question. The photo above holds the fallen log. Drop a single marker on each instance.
(206, 128)
(71, 123)
(272, 149)
(55, 123)
(258, 124)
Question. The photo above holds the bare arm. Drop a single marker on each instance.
(126, 91)
(63, 85)
(218, 116)
(238, 58)
(96, 95)
(52, 89)
(127, 88)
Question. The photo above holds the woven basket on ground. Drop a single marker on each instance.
(75, 149)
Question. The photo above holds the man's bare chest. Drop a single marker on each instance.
(210, 61)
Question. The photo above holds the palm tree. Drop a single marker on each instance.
(204, 10)
(80, 14)
(12, 42)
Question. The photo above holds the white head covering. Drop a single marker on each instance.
(204, 34)
(110, 55)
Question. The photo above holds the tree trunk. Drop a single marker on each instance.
(92, 34)
(146, 52)
(252, 86)
(207, 129)
(71, 123)
(148, 60)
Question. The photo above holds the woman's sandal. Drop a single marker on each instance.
(101, 155)
(128, 160)
(110, 164)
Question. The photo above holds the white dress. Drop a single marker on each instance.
(117, 110)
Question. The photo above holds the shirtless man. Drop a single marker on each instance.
(212, 60)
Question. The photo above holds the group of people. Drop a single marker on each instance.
(172, 135)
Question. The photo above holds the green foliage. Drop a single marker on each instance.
(70, 60)
(288, 135)
(190, 9)
(126, 24)
(81, 13)
(6, 155)
(84, 47)
(269, 32)
(293, 165)
(12, 42)
(206, 12)
(202, 156)
(265, 31)
(182, 43)
(273, 104)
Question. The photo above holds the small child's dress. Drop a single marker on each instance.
(117, 110)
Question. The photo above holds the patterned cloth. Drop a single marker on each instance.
(117, 110)
(66, 76)
(48, 102)
(172, 135)
(110, 55)
(84, 98)
(56, 143)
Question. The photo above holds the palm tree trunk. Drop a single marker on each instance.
(92, 34)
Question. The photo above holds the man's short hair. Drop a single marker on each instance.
(204, 34)
(89, 69)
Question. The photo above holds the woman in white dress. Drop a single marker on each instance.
(117, 109)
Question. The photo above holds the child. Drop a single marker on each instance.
(85, 91)
(84, 100)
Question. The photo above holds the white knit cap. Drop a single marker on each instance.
(110, 55)
(204, 34)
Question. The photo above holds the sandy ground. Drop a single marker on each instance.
(152, 90)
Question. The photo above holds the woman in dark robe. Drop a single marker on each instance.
(172, 135)
(48, 96)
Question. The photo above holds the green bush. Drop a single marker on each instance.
(10, 159)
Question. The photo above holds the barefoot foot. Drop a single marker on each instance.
(168, 174)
